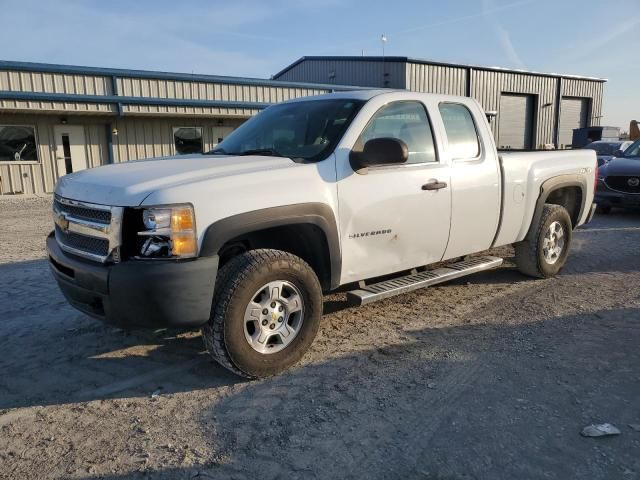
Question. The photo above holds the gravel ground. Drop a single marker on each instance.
(492, 376)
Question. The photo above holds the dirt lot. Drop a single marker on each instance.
(490, 377)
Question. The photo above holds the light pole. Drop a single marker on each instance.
(383, 40)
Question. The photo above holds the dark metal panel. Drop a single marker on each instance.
(379, 73)
(405, 60)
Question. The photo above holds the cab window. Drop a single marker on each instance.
(461, 131)
(407, 121)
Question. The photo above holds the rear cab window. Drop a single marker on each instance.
(462, 134)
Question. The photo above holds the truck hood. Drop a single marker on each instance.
(129, 183)
(621, 167)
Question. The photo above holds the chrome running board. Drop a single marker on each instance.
(396, 286)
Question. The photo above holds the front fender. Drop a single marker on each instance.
(318, 214)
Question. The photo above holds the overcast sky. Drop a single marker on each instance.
(258, 38)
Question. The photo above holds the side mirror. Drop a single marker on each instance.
(618, 153)
(380, 151)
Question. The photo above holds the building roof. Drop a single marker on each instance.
(395, 59)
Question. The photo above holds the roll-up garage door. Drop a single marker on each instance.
(572, 115)
(515, 129)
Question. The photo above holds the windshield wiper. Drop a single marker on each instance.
(217, 151)
(261, 151)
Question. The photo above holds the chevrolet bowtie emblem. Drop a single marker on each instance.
(62, 223)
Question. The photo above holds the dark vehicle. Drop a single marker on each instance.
(619, 181)
(608, 150)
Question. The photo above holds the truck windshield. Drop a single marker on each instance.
(633, 151)
(604, 148)
(307, 130)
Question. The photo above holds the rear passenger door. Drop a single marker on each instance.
(388, 221)
(475, 178)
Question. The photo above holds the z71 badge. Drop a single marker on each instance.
(372, 233)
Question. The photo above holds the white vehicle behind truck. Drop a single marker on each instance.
(361, 190)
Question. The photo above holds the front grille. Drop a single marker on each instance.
(88, 230)
(622, 183)
(93, 246)
(100, 216)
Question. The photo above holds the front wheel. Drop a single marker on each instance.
(266, 313)
(544, 250)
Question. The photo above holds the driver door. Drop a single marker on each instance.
(389, 219)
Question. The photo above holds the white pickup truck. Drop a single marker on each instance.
(361, 190)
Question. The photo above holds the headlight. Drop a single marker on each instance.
(155, 218)
(170, 232)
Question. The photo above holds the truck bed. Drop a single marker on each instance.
(522, 176)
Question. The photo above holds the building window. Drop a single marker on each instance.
(461, 131)
(18, 144)
(187, 139)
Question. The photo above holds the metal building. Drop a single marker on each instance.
(55, 119)
(533, 109)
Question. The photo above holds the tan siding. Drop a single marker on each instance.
(55, 83)
(159, 110)
(140, 138)
(51, 107)
(41, 177)
(184, 90)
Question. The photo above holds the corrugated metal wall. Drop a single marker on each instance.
(140, 138)
(44, 82)
(40, 177)
(146, 130)
(487, 86)
(436, 79)
(143, 131)
(71, 84)
(587, 89)
(137, 138)
(172, 111)
(348, 72)
(197, 90)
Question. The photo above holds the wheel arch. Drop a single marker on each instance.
(308, 230)
(569, 191)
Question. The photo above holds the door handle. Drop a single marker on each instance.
(435, 185)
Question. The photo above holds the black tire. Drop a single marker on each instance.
(530, 257)
(604, 209)
(238, 280)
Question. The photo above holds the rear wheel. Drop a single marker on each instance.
(544, 251)
(266, 313)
